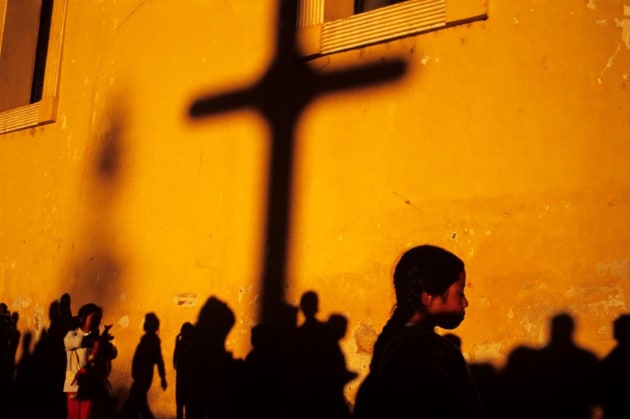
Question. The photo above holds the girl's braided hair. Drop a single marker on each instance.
(424, 268)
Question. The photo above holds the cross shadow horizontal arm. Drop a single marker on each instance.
(221, 104)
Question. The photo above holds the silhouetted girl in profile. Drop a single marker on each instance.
(415, 372)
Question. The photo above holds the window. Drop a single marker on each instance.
(30, 51)
(361, 6)
(328, 26)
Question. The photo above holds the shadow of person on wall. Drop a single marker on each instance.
(318, 370)
(9, 341)
(215, 373)
(311, 331)
(266, 384)
(615, 373)
(335, 402)
(42, 371)
(182, 362)
(147, 357)
(24, 375)
(556, 381)
(52, 354)
(489, 387)
(307, 372)
(486, 379)
(520, 376)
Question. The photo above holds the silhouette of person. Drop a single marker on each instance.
(261, 375)
(312, 330)
(147, 357)
(521, 379)
(487, 381)
(44, 371)
(568, 382)
(9, 341)
(51, 355)
(615, 372)
(258, 374)
(334, 400)
(555, 381)
(266, 382)
(215, 373)
(306, 357)
(88, 363)
(318, 368)
(66, 320)
(415, 372)
(24, 376)
(182, 362)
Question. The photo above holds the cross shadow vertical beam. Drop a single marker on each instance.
(281, 95)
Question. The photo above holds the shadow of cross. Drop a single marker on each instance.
(281, 95)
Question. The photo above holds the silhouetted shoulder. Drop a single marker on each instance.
(419, 368)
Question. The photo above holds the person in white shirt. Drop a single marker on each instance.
(88, 363)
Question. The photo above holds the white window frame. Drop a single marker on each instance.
(45, 110)
(410, 17)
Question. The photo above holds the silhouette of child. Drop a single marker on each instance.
(414, 371)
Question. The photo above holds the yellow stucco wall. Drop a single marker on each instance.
(506, 141)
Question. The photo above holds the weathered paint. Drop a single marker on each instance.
(506, 142)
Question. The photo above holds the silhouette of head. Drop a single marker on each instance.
(562, 327)
(64, 304)
(621, 328)
(151, 323)
(88, 309)
(53, 311)
(338, 325)
(215, 321)
(431, 270)
(309, 303)
(187, 330)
